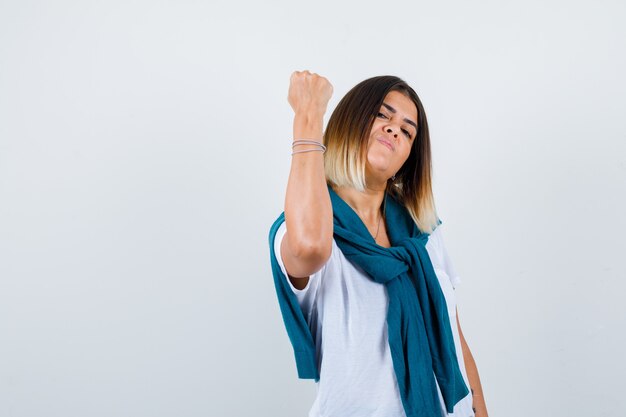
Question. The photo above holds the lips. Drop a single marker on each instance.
(386, 143)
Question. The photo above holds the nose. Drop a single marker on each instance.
(390, 130)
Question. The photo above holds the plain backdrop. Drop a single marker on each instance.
(145, 151)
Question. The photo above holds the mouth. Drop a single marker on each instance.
(386, 143)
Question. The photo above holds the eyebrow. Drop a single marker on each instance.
(391, 109)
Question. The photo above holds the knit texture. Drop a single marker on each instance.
(420, 338)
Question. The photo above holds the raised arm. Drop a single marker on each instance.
(306, 246)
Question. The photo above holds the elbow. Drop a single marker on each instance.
(312, 249)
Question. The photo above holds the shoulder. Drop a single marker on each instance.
(440, 256)
(434, 245)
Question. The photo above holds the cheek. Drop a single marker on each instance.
(407, 151)
(377, 125)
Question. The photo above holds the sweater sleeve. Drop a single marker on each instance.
(296, 322)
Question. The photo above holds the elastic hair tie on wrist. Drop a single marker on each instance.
(298, 142)
(307, 142)
(308, 150)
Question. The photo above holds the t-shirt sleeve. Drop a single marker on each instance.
(447, 263)
(305, 296)
(442, 256)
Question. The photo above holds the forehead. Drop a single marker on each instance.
(403, 104)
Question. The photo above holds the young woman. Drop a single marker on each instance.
(363, 278)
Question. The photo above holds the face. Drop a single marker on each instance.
(391, 138)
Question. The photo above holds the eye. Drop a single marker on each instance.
(406, 132)
(380, 114)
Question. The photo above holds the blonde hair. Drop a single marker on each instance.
(346, 138)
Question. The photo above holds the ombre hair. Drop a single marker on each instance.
(346, 139)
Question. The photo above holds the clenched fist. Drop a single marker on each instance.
(309, 92)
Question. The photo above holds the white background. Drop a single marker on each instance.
(144, 154)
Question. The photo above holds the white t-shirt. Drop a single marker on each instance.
(347, 313)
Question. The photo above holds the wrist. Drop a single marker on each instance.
(308, 125)
(309, 112)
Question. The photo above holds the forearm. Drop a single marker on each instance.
(308, 210)
(478, 400)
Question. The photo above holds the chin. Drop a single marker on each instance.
(379, 174)
(379, 165)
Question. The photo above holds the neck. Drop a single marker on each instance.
(366, 204)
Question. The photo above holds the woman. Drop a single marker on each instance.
(363, 279)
